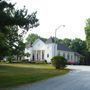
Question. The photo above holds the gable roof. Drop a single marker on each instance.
(36, 41)
(63, 47)
(50, 40)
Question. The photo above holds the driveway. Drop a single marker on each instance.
(77, 79)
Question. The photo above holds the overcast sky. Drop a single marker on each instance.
(52, 13)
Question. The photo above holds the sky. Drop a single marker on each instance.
(53, 13)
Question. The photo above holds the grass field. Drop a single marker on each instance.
(18, 74)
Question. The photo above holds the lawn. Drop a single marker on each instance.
(18, 74)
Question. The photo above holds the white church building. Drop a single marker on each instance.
(42, 50)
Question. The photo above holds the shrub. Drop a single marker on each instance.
(59, 62)
(32, 62)
(45, 61)
(25, 61)
(39, 62)
(10, 59)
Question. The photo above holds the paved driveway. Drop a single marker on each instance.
(79, 79)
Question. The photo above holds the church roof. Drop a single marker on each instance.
(63, 47)
(50, 40)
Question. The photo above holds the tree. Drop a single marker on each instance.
(67, 42)
(31, 38)
(79, 46)
(27, 54)
(87, 31)
(10, 22)
(19, 50)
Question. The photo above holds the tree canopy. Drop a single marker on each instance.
(87, 31)
(32, 37)
(11, 20)
(78, 45)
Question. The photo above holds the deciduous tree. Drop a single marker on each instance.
(10, 22)
(87, 31)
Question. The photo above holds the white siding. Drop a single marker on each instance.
(51, 50)
(65, 54)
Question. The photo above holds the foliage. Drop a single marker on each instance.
(65, 41)
(87, 58)
(10, 59)
(10, 22)
(19, 50)
(39, 62)
(25, 61)
(79, 46)
(27, 54)
(87, 32)
(32, 37)
(59, 62)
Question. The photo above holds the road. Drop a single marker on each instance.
(77, 79)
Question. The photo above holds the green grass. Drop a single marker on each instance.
(18, 74)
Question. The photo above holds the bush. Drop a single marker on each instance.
(59, 62)
(24, 61)
(45, 61)
(39, 62)
(42, 62)
(10, 59)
